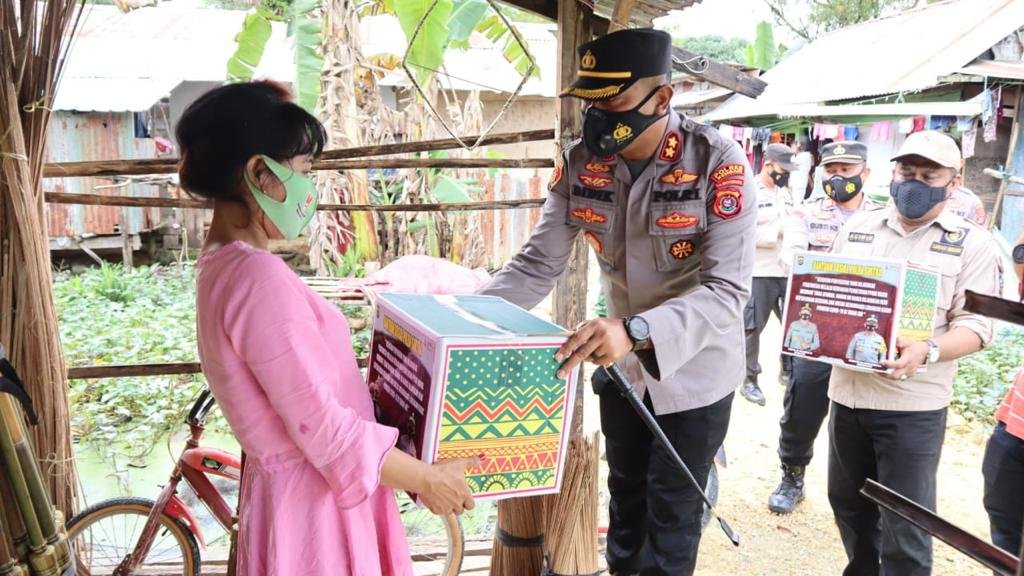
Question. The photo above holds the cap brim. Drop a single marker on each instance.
(596, 90)
(788, 166)
(927, 155)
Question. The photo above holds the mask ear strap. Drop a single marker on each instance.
(649, 96)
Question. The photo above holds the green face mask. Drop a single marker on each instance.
(293, 215)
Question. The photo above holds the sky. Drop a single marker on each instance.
(724, 18)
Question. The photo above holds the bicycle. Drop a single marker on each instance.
(109, 540)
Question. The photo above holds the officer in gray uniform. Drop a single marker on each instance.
(813, 226)
(867, 346)
(803, 334)
(668, 206)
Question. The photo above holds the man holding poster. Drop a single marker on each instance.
(890, 426)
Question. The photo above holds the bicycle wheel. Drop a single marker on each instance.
(436, 543)
(105, 533)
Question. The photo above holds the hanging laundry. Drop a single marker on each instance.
(991, 124)
(818, 132)
(850, 133)
(748, 134)
(906, 125)
(881, 131)
(737, 133)
(725, 130)
(964, 123)
(970, 136)
(940, 122)
(919, 123)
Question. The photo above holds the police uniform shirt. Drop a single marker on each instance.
(966, 204)
(815, 225)
(968, 259)
(675, 246)
(867, 347)
(773, 207)
(802, 335)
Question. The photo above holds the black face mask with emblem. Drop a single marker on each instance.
(842, 189)
(781, 179)
(606, 133)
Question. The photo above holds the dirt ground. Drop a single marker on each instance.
(806, 543)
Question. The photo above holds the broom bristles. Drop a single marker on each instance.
(521, 518)
(571, 515)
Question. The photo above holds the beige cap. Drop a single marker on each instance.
(934, 146)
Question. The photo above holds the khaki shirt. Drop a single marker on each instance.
(773, 208)
(675, 247)
(968, 259)
(814, 226)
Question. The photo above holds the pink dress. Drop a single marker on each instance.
(279, 360)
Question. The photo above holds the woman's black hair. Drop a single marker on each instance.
(223, 128)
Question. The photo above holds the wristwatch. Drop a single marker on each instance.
(638, 331)
(933, 352)
(1018, 253)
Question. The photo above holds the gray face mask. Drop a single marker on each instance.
(914, 198)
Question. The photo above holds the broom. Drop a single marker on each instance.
(517, 549)
(9, 559)
(10, 520)
(571, 515)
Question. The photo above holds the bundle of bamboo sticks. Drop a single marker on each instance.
(33, 38)
(571, 545)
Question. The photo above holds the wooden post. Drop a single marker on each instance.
(620, 16)
(126, 240)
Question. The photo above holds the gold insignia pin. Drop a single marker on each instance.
(839, 150)
(589, 61)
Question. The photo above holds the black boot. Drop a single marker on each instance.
(752, 392)
(790, 491)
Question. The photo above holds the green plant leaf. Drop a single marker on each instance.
(309, 62)
(466, 14)
(426, 50)
(515, 53)
(252, 40)
(448, 190)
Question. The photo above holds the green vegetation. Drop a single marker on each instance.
(984, 377)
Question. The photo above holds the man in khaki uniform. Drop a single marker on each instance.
(668, 207)
(890, 427)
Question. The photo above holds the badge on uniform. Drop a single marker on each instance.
(681, 249)
(556, 175)
(678, 177)
(860, 237)
(671, 149)
(677, 220)
(728, 175)
(595, 181)
(951, 243)
(589, 216)
(594, 241)
(598, 168)
(728, 203)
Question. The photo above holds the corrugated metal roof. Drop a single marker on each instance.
(149, 51)
(906, 52)
(993, 69)
(645, 11)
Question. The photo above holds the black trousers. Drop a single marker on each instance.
(901, 451)
(1003, 468)
(767, 296)
(654, 511)
(804, 409)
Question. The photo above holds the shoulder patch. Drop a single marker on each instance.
(727, 172)
(672, 148)
(728, 203)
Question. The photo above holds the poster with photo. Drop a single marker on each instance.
(843, 310)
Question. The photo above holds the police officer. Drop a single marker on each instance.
(803, 334)
(774, 203)
(868, 346)
(890, 427)
(667, 206)
(814, 226)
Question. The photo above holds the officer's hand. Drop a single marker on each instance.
(601, 341)
(912, 354)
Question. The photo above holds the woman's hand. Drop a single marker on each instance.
(445, 490)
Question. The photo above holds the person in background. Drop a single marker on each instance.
(1003, 464)
(814, 227)
(890, 426)
(799, 180)
(317, 487)
(774, 203)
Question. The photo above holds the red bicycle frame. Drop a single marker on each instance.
(195, 465)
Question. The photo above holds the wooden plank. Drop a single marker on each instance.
(100, 200)
(716, 73)
(620, 16)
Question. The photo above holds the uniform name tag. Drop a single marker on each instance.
(861, 237)
(675, 195)
(592, 194)
(942, 248)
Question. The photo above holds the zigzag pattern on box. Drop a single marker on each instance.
(502, 446)
(515, 481)
(509, 464)
(917, 313)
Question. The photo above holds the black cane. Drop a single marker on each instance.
(626, 389)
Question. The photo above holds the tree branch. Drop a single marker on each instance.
(777, 12)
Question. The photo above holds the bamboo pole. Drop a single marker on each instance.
(42, 556)
(132, 201)
(341, 159)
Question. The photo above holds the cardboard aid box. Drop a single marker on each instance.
(462, 376)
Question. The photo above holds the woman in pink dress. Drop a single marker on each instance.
(317, 490)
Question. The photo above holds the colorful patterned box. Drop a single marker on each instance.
(473, 375)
